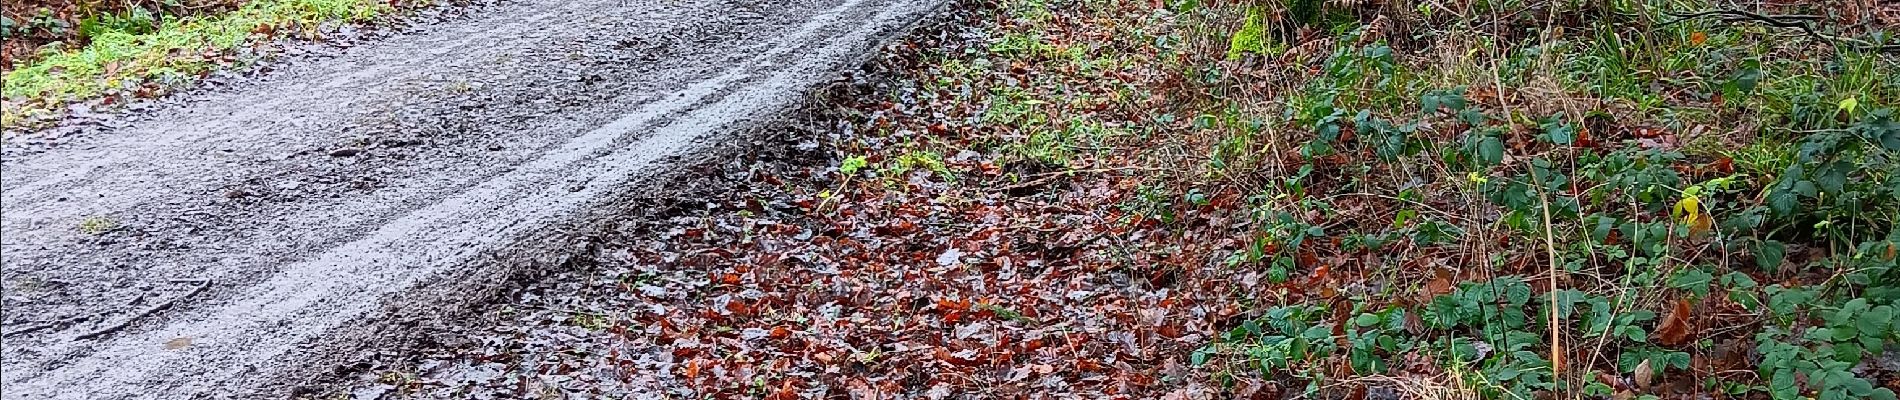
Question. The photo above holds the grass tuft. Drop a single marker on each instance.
(147, 62)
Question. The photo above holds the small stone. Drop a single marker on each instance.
(346, 152)
(494, 147)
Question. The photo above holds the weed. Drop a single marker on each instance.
(97, 225)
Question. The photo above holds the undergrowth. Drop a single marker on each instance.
(1485, 199)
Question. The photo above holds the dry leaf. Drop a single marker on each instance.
(179, 343)
(1674, 330)
(1644, 375)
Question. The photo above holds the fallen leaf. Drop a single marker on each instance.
(1674, 330)
(1439, 285)
(1644, 375)
(179, 343)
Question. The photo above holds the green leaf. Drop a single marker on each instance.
(1770, 254)
(1833, 178)
(1782, 201)
(1516, 292)
(1439, 99)
(1490, 150)
(1560, 133)
(1882, 394)
(1784, 301)
(1746, 78)
(1567, 300)
(1782, 385)
(1694, 280)
(1880, 126)
(852, 165)
(1875, 320)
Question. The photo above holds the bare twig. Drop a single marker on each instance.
(202, 285)
(1800, 22)
(41, 327)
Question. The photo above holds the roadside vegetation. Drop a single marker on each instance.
(65, 52)
(1463, 199)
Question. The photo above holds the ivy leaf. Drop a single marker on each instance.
(1784, 301)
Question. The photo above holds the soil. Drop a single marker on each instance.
(249, 239)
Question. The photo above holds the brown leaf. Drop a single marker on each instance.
(1439, 285)
(692, 369)
(179, 343)
(1674, 330)
(1644, 375)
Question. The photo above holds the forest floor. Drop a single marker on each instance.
(1147, 199)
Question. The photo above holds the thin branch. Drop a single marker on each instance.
(202, 285)
(40, 327)
(1801, 22)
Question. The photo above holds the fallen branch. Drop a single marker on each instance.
(1800, 22)
(202, 285)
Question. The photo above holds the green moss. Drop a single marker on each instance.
(1252, 37)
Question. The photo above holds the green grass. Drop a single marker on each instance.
(172, 54)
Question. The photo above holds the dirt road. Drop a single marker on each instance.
(229, 244)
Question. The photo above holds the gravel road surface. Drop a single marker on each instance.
(239, 240)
